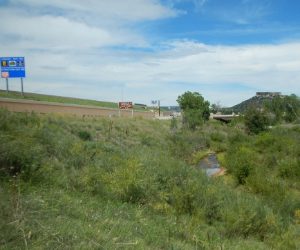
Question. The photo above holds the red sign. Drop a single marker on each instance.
(125, 105)
(4, 74)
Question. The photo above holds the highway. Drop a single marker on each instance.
(17, 105)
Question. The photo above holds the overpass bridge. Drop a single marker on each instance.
(224, 118)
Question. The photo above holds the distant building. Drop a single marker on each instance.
(268, 94)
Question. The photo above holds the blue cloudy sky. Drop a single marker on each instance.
(140, 50)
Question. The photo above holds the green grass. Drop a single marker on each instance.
(132, 184)
(59, 99)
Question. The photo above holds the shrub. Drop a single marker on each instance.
(147, 140)
(185, 143)
(54, 139)
(173, 124)
(213, 204)
(287, 239)
(78, 155)
(240, 162)
(90, 180)
(245, 216)
(256, 121)
(85, 135)
(185, 193)
(265, 140)
(126, 182)
(217, 136)
(19, 156)
(238, 137)
(289, 168)
(263, 183)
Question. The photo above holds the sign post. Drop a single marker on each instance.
(22, 88)
(7, 85)
(159, 108)
(158, 105)
(13, 67)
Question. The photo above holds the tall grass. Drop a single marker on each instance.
(131, 184)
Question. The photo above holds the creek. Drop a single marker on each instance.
(210, 164)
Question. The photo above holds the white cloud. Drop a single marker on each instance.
(197, 3)
(57, 33)
(225, 73)
(69, 55)
(44, 32)
(131, 10)
(74, 24)
(221, 73)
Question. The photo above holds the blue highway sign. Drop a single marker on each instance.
(12, 67)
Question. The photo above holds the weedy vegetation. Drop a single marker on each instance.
(109, 183)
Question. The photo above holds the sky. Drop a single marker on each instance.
(144, 50)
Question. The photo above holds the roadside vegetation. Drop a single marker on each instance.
(135, 184)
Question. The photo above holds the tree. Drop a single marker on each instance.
(256, 120)
(292, 108)
(216, 107)
(194, 108)
(285, 108)
(276, 107)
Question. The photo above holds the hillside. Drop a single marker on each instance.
(255, 101)
(60, 99)
(135, 184)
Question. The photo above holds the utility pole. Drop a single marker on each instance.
(158, 108)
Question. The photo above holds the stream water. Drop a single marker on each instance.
(210, 164)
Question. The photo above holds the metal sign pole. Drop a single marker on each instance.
(159, 108)
(22, 88)
(7, 85)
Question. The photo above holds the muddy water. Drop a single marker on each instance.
(210, 164)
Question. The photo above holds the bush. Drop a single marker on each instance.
(19, 156)
(126, 182)
(262, 182)
(78, 155)
(214, 203)
(265, 140)
(240, 162)
(217, 136)
(54, 139)
(85, 135)
(245, 216)
(173, 124)
(289, 168)
(256, 121)
(89, 179)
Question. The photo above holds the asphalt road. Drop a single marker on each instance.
(17, 105)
